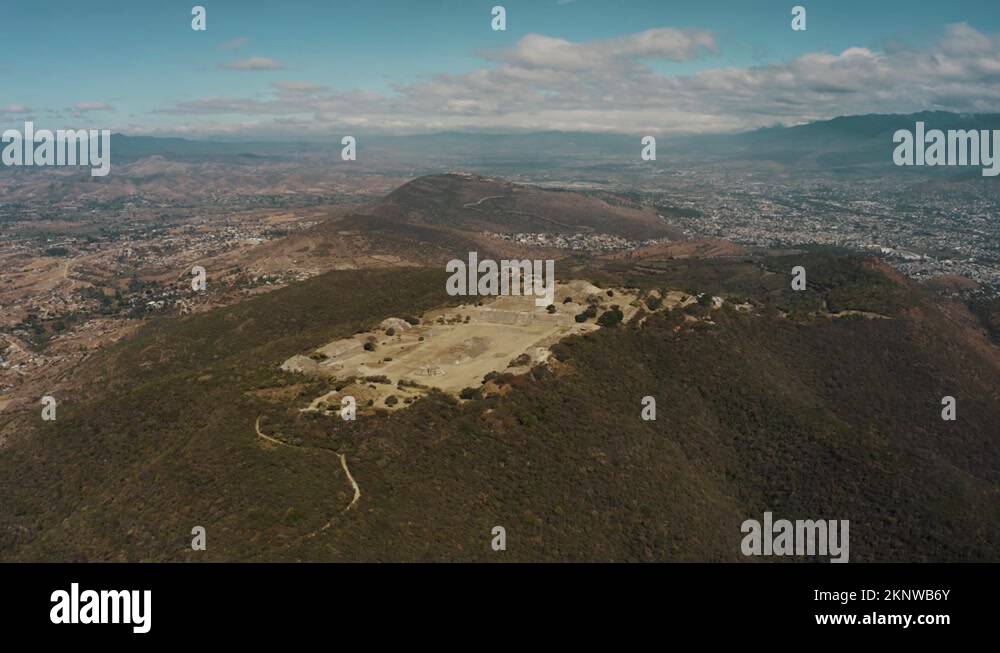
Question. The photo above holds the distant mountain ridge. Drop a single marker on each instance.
(838, 143)
(842, 142)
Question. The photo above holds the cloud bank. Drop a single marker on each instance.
(546, 83)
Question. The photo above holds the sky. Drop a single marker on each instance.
(300, 67)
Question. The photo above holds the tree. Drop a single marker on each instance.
(611, 318)
(589, 312)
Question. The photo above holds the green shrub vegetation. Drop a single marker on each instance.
(807, 418)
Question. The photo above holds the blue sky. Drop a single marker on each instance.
(138, 65)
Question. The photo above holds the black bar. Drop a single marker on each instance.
(241, 601)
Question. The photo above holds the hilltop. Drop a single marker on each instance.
(474, 202)
(821, 404)
(432, 219)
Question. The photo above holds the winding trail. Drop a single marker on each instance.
(343, 463)
(268, 437)
(472, 205)
(845, 313)
(357, 490)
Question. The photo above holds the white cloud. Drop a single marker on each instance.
(545, 52)
(87, 107)
(254, 63)
(546, 83)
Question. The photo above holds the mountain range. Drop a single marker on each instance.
(846, 143)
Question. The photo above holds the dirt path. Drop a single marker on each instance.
(357, 490)
(268, 437)
(846, 313)
(472, 205)
(343, 463)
